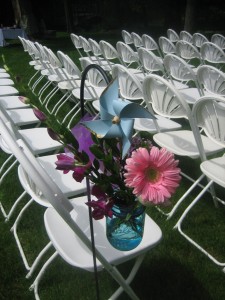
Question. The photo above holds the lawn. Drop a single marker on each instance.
(172, 270)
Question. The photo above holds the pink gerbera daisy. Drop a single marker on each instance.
(153, 174)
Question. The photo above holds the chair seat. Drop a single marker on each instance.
(215, 169)
(183, 143)
(23, 116)
(149, 125)
(4, 75)
(6, 81)
(65, 182)
(2, 70)
(69, 246)
(8, 90)
(42, 141)
(12, 102)
(190, 94)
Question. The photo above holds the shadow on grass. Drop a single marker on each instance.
(168, 279)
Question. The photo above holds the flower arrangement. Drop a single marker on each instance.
(122, 169)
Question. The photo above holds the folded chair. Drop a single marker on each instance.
(209, 113)
(68, 186)
(168, 102)
(67, 225)
(150, 44)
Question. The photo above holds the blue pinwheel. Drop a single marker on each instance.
(116, 117)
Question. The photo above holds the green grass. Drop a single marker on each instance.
(172, 270)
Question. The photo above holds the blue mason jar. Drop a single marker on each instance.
(125, 229)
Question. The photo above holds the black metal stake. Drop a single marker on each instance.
(83, 78)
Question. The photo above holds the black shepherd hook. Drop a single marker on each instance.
(83, 78)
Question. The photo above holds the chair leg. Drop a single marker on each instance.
(14, 230)
(35, 284)
(133, 272)
(9, 214)
(37, 259)
(179, 223)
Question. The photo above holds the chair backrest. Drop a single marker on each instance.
(212, 79)
(109, 52)
(178, 69)
(186, 36)
(85, 45)
(126, 53)
(149, 43)
(212, 53)
(95, 48)
(76, 41)
(127, 37)
(172, 35)
(137, 40)
(150, 62)
(187, 50)
(94, 77)
(209, 113)
(166, 45)
(199, 39)
(70, 67)
(219, 40)
(164, 98)
(129, 86)
(53, 59)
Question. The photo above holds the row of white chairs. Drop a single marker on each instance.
(210, 84)
(50, 188)
(197, 39)
(202, 49)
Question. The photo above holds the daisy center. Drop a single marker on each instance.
(116, 120)
(152, 175)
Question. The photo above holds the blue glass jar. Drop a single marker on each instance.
(125, 229)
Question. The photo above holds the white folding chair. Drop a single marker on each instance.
(68, 186)
(168, 102)
(209, 114)
(179, 70)
(77, 43)
(110, 53)
(131, 88)
(67, 225)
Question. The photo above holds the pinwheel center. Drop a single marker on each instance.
(116, 120)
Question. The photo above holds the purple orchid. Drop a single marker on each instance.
(66, 162)
(39, 114)
(101, 208)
